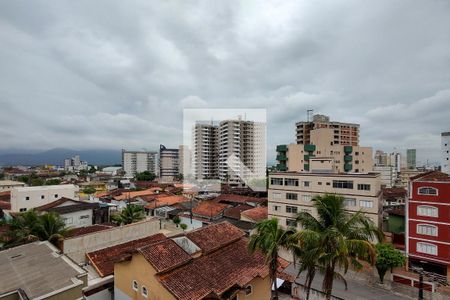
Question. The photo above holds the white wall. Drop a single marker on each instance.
(26, 198)
(78, 219)
(445, 148)
(191, 225)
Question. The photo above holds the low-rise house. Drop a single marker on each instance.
(236, 211)
(39, 271)
(209, 210)
(233, 199)
(74, 213)
(255, 215)
(159, 201)
(208, 263)
(8, 185)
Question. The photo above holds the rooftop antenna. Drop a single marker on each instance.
(309, 114)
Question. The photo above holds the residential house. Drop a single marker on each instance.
(255, 215)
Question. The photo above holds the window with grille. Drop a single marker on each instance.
(427, 211)
(427, 248)
(426, 229)
(290, 182)
(276, 181)
(291, 196)
(343, 184)
(291, 209)
(427, 191)
(366, 203)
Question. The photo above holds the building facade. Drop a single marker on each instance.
(291, 192)
(388, 175)
(26, 198)
(205, 158)
(75, 164)
(445, 148)
(168, 163)
(411, 159)
(428, 222)
(8, 185)
(139, 161)
(342, 133)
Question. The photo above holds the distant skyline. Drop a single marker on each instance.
(115, 74)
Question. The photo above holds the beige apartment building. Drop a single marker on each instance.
(342, 133)
(291, 192)
(322, 150)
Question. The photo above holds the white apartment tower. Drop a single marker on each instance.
(205, 160)
(139, 161)
(445, 146)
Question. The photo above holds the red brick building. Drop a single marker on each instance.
(428, 222)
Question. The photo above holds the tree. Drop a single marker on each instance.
(51, 227)
(270, 238)
(183, 226)
(179, 177)
(145, 176)
(387, 258)
(92, 169)
(130, 214)
(54, 181)
(343, 238)
(2, 175)
(37, 181)
(176, 220)
(89, 190)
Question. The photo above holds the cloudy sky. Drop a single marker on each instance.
(118, 74)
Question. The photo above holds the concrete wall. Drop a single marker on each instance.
(191, 225)
(77, 247)
(78, 219)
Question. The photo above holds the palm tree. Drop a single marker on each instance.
(342, 238)
(270, 238)
(130, 214)
(51, 227)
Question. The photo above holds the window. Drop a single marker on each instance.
(306, 210)
(276, 207)
(290, 182)
(365, 203)
(248, 290)
(426, 229)
(291, 196)
(307, 197)
(276, 195)
(135, 285)
(427, 248)
(84, 217)
(427, 191)
(27, 198)
(42, 197)
(319, 183)
(349, 202)
(343, 184)
(22, 209)
(328, 183)
(68, 220)
(276, 181)
(291, 223)
(363, 187)
(56, 195)
(306, 183)
(144, 292)
(427, 211)
(291, 209)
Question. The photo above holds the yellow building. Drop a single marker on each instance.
(211, 262)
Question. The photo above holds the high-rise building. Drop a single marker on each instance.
(205, 157)
(75, 164)
(381, 158)
(445, 148)
(139, 161)
(168, 163)
(342, 133)
(411, 159)
(395, 160)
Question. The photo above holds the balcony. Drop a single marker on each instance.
(347, 167)
(310, 147)
(347, 158)
(306, 167)
(281, 157)
(281, 148)
(281, 167)
(348, 149)
(306, 157)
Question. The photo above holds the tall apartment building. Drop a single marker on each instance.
(321, 146)
(75, 164)
(139, 161)
(381, 158)
(229, 151)
(342, 133)
(388, 175)
(395, 160)
(411, 159)
(291, 192)
(168, 163)
(445, 148)
(428, 222)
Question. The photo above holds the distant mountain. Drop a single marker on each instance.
(56, 157)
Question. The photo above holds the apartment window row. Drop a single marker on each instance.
(291, 196)
(362, 203)
(288, 182)
(291, 209)
(342, 184)
(426, 229)
(363, 187)
(427, 211)
(428, 191)
(426, 248)
(366, 203)
(144, 289)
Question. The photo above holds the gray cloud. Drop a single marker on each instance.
(113, 74)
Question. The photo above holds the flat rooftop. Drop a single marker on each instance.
(45, 187)
(10, 182)
(318, 174)
(37, 269)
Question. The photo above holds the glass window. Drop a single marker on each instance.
(428, 191)
(291, 209)
(306, 183)
(427, 248)
(248, 290)
(307, 197)
(343, 184)
(84, 217)
(135, 285)
(68, 220)
(291, 223)
(22, 209)
(276, 181)
(144, 292)
(427, 211)
(350, 202)
(291, 196)
(426, 229)
(290, 182)
(366, 203)
(27, 198)
(276, 195)
(363, 187)
(276, 207)
(42, 196)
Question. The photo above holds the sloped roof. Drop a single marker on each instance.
(209, 208)
(133, 194)
(256, 214)
(431, 176)
(87, 229)
(166, 201)
(235, 212)
(57, 206)
(239, 199)
(164, 255)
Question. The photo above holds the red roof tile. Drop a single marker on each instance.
(209, 209)
(215, 273)
(431, 176)
(394, 192)
(164, 255)
(58, 203)
(87, 229)
(103, 260)
(215, 236)
(256, 214)
(5, 196)
(166, 201)
(235, 212)
(232, 198)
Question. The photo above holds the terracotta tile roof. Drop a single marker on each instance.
(235, 212)
(87, 229)
(215, 236)
(5, 196)
(166, 201)
(256, 214)
(6, 205)
(103, 260)
(164, 255)
(394, 192)
(133, 194)
(76, 205)
(232, 198)
(209, 209)
(431, 176)
(233, 265)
